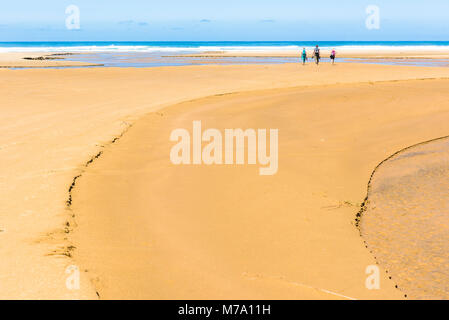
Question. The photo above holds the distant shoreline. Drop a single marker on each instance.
(144, 59)
(167, 53)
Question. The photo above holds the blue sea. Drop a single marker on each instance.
(173, 46)
(153, 54)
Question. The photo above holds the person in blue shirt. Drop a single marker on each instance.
(304, 56)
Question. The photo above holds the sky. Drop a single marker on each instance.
(232, 20)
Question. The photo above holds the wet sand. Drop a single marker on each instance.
(149, 229)
(368, 52)
(39, 60)
(142, 59)
(406, 219)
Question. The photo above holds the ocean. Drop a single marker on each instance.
(198, 46)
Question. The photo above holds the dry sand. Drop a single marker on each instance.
(54, 121)
(148, 229)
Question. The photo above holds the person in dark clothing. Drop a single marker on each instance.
(333, 54)
(316, 54)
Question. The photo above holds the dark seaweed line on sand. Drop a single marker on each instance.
(88, 163)
(69, 226)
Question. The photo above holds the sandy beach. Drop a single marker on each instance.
(139, 227)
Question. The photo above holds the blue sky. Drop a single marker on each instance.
(197, 20)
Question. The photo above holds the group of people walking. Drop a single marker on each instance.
(317, 55)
